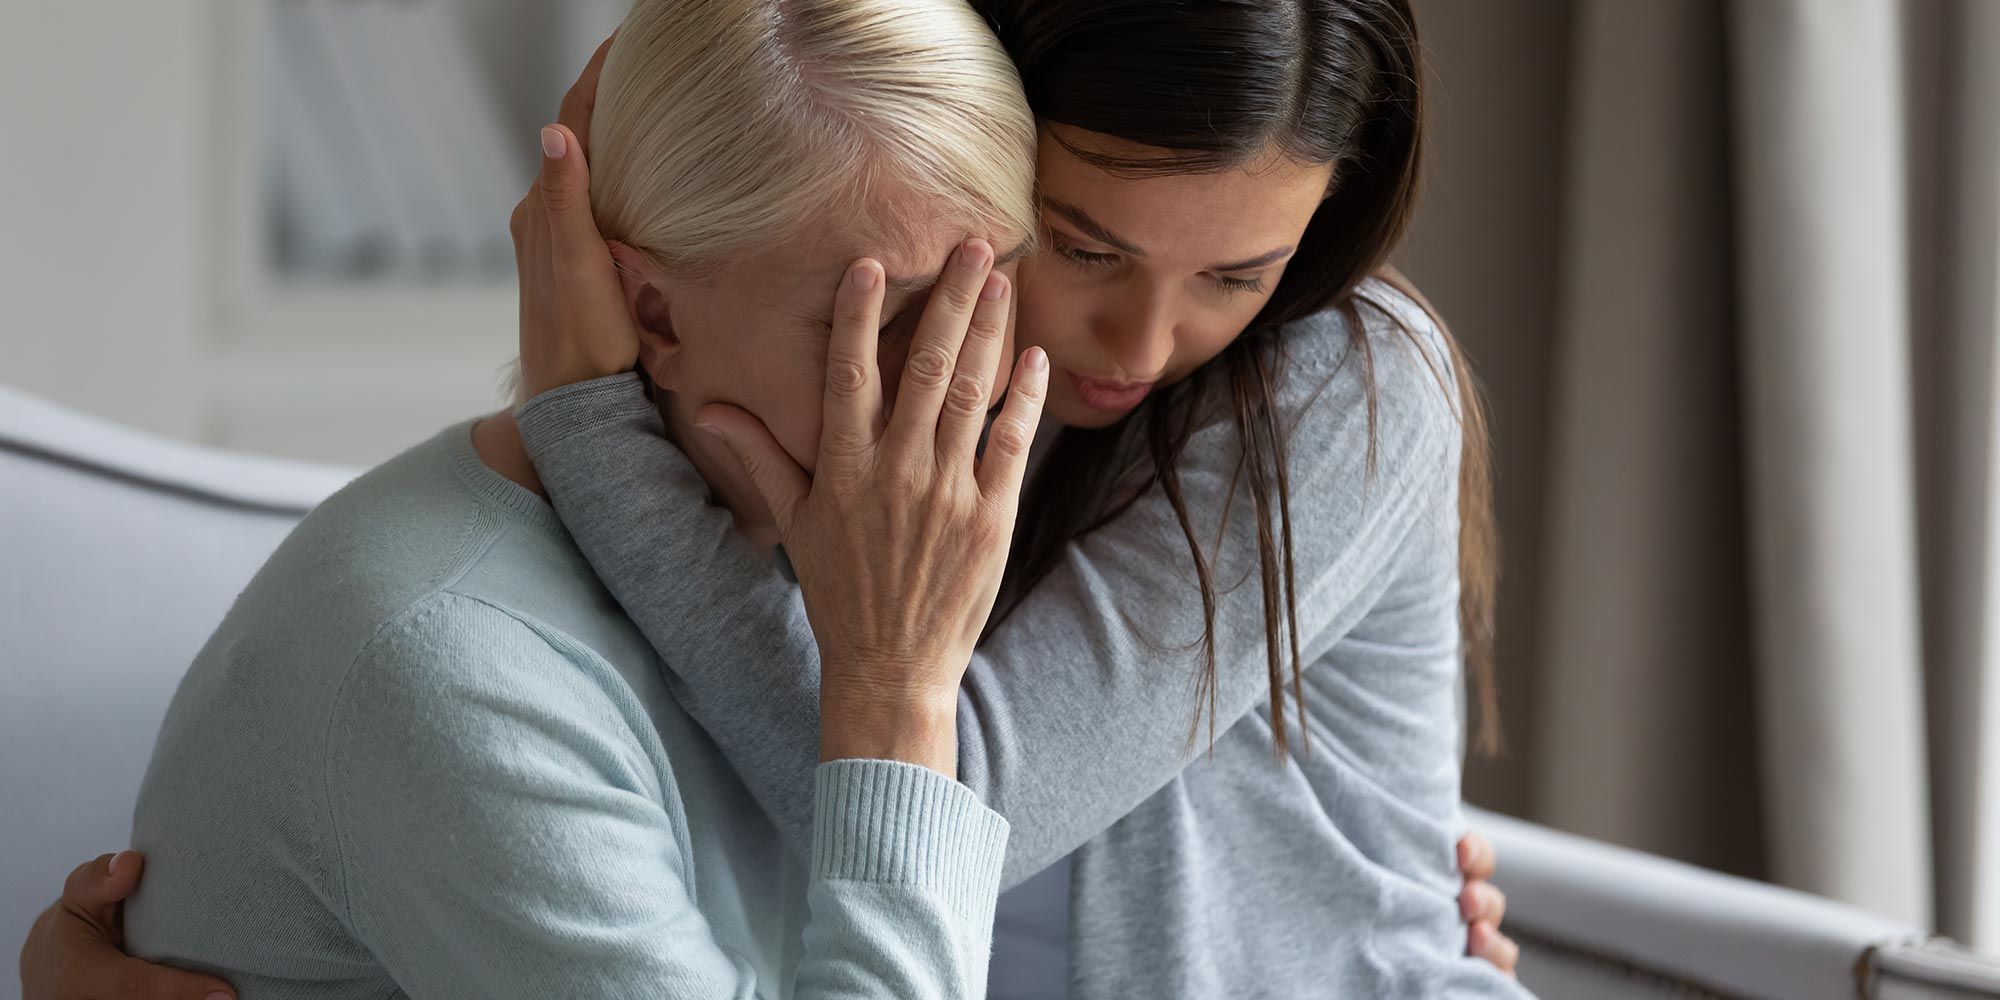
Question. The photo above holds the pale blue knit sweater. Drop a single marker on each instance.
(425, 755)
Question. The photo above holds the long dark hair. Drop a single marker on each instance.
(1210, 85)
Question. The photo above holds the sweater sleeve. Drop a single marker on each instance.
(1081, 704)
(505, 828)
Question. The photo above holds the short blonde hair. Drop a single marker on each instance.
(723, 125)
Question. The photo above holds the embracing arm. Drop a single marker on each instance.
(1080, 705)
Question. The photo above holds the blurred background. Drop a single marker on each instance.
(1730, 271)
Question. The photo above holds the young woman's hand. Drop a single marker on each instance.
(75, 950)
(574, 324)
(1483, 906)
(900, 534)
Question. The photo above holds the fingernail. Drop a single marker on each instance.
(553, 144)
(710, 428)
(115, 858)
(218, 996)
(1038, 361)
(862, 276)
(996, 287)
(974, 255)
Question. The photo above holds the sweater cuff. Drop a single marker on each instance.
(891, 822)
(560, 413)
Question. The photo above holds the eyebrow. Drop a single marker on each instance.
(1091, 227)
(1101, 233)
(1268, 257)
(917, 283)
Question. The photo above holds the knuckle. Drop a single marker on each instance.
(1009, 436)
(905, 480)
(957, 494)
(517, 223)
(82, 875)
(558, 196)
(927, 366)
(988, 324)
(845, 376)
(961, 291)
(987, 533)
(856, 308)
(967, 395)
(842, 443)
(1029, 391)
(957, 295)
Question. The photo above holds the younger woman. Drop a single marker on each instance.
(1253, 561)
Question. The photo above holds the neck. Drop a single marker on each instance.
(497, 441)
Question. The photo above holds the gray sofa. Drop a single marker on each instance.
(119, 551)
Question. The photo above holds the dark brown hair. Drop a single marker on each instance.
(1210, 85)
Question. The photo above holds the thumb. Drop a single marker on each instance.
(588, 278)
(565, 178)
(777, 477)
(589, 295)
(103, 881)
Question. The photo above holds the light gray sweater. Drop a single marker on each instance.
(425, 756)
(1198, 873)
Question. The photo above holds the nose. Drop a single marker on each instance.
(1137, 330)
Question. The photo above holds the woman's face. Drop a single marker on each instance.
(753, 331)
(1140, 281)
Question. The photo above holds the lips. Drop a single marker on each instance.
(1109, 396)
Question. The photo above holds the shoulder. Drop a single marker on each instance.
(401, 530)
(1377, 371)
(456, 683)
(1380, 330)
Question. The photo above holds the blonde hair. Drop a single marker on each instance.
(728, 124)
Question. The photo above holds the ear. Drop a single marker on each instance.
(646, 297)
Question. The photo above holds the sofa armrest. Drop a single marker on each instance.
(1589, 914)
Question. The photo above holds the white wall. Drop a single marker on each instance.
(130, 170)
(102, 241)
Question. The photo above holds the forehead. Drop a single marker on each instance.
(1227, 214)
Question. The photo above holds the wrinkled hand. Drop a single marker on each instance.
(900, 534)
(1483, 906)
(75, 950)
(574, 324)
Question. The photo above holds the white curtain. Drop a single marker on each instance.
(1772, 532)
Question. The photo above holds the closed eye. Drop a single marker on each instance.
(1081, 258)
(1239, 285)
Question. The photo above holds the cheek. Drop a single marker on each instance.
(1050, 311)
(792, 407)
(776, 380)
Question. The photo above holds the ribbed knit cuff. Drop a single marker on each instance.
(891, 822)
(550, 418)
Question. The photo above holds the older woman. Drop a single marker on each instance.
(426, 755)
